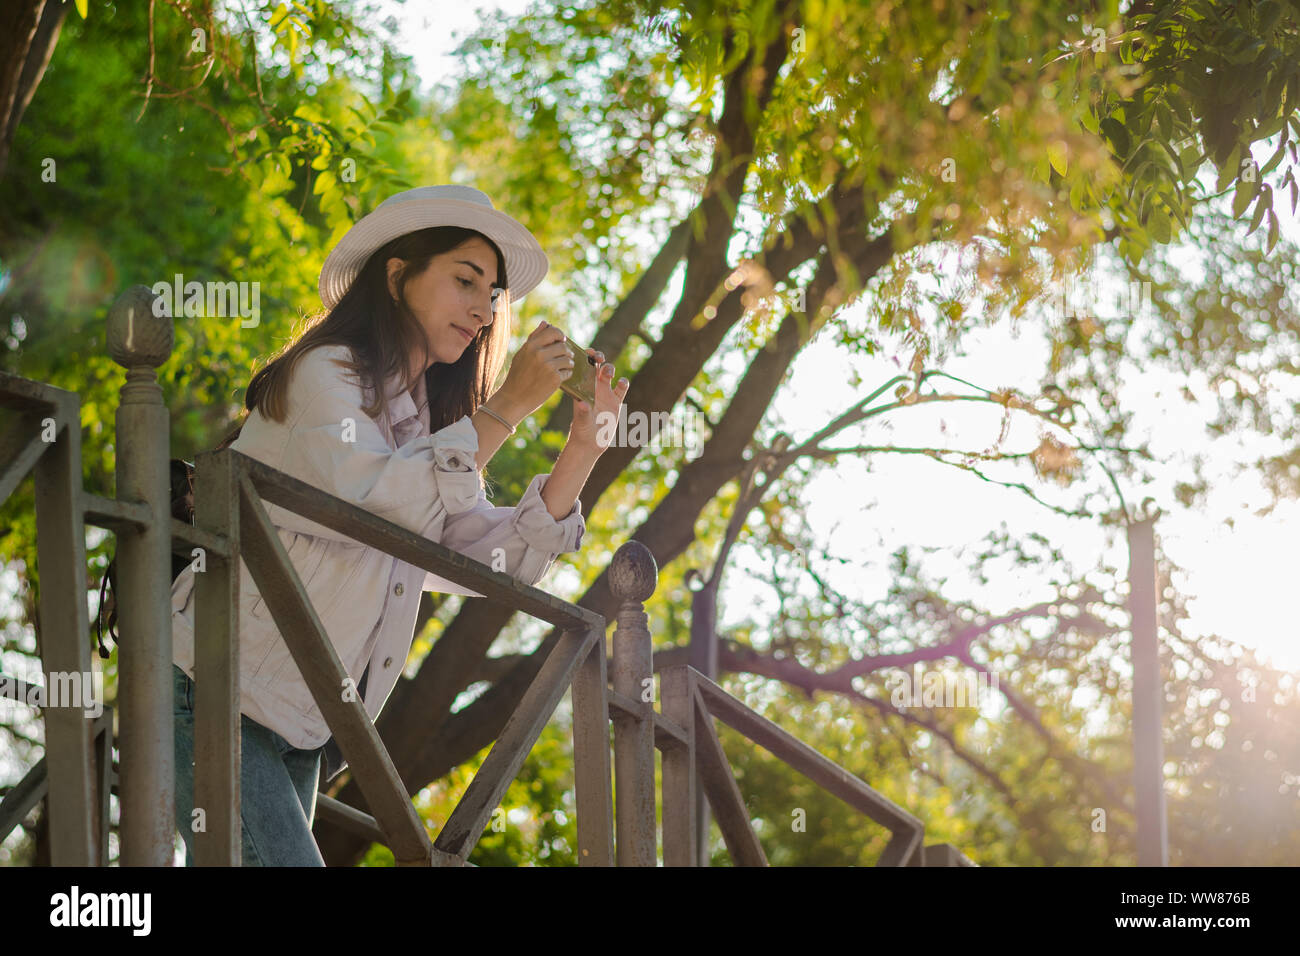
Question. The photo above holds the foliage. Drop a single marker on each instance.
(941, 165)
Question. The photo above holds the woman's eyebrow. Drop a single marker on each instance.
(466, 262)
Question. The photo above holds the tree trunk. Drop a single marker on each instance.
(29, 30)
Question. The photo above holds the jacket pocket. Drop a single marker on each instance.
(306, 552)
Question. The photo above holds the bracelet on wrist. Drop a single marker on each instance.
(492, 414)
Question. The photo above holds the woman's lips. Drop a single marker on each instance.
(469, 337)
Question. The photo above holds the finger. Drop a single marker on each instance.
(546, 333)
(621, 390)
(554, 350)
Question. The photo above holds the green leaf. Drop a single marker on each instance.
(1178, 214)
(1056, 155)
(1246, 191)
(1274, 159)
(1165, 120)
(1229, 170)
(1272, 231)
(1261, 207)
(1117, 134)
(1135, 178)
(1159, 225)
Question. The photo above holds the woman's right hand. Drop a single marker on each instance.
(536, 371)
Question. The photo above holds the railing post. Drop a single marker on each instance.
(632, 577)
(65, 653)
(1148, 692)
(217, 737)
(140, 340)
(591, 782)
(680, 786)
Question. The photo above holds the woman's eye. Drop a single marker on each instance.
(465, 282)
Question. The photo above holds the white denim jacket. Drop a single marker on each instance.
(366, 600)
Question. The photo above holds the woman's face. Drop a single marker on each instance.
(451, 299)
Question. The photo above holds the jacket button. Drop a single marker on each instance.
(398, 590)
(388, 662)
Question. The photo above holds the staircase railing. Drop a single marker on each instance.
(231, 523)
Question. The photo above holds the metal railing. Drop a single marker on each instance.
(231, 523)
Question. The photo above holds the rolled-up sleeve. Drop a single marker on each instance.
(522, 541)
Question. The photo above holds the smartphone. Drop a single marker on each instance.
(582, 383)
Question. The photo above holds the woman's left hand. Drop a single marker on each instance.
(594, 430)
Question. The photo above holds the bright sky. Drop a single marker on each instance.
(1237, 579)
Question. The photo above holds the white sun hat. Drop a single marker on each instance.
(422, 208)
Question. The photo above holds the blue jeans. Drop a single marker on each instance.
(277, 785)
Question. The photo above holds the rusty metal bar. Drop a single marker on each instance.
(318, 663)
(822, 771)
(468, 821)
(945, 854)
(903, 849)
(591, 768)
(186, 537)
(116, 516)
(217, 735)
(35, 785)
(679, 785)
(103, 736)
(122, 516)
(632, 577)
(362, 526)
(719, 784)
(349, 818)
(24, 395)
(20, 447)
(24, 795)
(65, 653)
(667, 733)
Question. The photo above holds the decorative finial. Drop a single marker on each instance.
(633, 573)
(137, 333)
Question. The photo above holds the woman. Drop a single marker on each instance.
(418, 298)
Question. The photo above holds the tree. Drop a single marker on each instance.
(790, 160)
(932, 124)
(30, 31)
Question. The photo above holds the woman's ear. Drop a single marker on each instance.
(394, 267)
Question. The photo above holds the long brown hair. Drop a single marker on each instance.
(383, 333)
